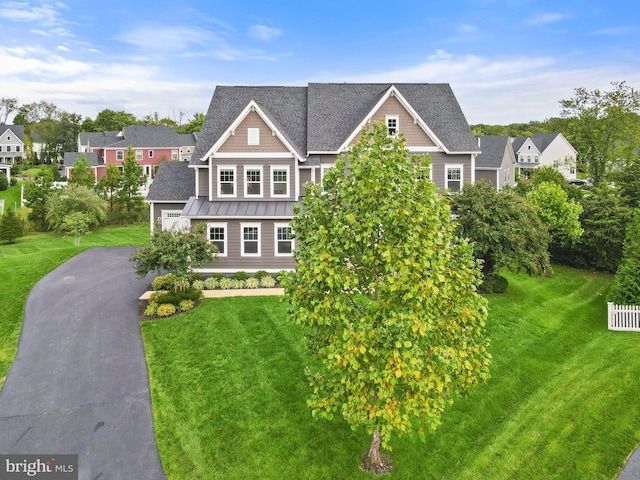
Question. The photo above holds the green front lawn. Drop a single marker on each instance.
(229, 394)
(25, 262)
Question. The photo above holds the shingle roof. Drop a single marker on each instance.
(493, 149)
(18, 130)
(285, 106)
(151, 136)
(174, 181)
(70, 158)
(336, 109)
(98, 139)
(540, 140)
(202, 207)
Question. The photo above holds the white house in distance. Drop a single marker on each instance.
(549, 150)
(11, 147)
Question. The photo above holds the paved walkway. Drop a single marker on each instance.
(79, 383)
(631, 471)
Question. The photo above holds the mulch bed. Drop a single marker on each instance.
(386, 467)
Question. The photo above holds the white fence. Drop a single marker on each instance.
(624, 317)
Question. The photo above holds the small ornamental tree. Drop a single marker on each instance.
(76, 224)
(625, 289)
(387, 295)
(74, 198)
(11, 227)
(176, 252)
(505, 229)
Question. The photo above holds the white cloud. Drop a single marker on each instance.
(62, 48)
(24, 12)
(503, 90)
(544, 18)
(465, 28)
(168, 38)
(262, 32)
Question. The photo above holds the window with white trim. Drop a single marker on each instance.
(119, 154)
(253, 182)
(174, 155)
(453, 178)
(139, 155)
(323, 171)
(17, 148)
(283, 240)
(227, 181)
(150, 153)
(217, 234)
(280, 181)
(250, 239)
(253, 136)
(392, 124)
(8, 148)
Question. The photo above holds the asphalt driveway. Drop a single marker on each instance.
(79, 383)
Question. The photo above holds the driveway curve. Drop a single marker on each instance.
(79, 382)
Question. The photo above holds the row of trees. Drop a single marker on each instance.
(58, 130)
(82, 204)
(604, 126)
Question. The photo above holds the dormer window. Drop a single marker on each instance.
(253, 136)
(392, 124)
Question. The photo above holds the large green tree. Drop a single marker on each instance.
(128, 200)
(603, 126)
(387, 294)
(111, 120)
(505, 229)
(625, 289)
(82, 173)
(559, 213)
(36, 194)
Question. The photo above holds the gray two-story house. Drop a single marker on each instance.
(260, 145)
(11, 147)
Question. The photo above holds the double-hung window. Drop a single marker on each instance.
(250, 239)
(174, 155)
(253, 182)
(453, 179)
(119, 154)
(392, 124)
(226, 181)
(217, 234)
(280, 181)
(283, 240)
(139, 155)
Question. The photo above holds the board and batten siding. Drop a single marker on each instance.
(234, 261)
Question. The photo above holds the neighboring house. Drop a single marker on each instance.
(152, 144)
(260, 145)
(11, 147)
(548, 149)
(70, 159)
(496, 162)
(36, 146)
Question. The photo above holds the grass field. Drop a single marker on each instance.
(22, 264)
(229, 394)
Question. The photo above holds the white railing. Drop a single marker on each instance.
(624, 317)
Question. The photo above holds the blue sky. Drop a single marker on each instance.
(506, 60)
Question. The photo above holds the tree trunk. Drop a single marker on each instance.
(374, 450)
